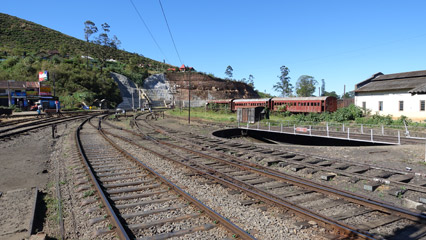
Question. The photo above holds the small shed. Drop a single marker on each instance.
(250, 115)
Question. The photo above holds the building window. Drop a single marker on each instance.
(380, 105)
(401, 105)
(364, 106)
(422, 105)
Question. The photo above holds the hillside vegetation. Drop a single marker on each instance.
(27, 48)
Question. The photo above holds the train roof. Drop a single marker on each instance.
(219, 100)
(252, 100)
(302, 98)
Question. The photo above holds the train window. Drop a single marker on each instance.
(401, 105)
(380, 105)
(422, 105)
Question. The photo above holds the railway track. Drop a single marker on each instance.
(137, 202)
(345, 213)
(16, 129)
(344, 135)
(357, 175)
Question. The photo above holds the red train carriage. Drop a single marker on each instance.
(304, 104)
(251, 103)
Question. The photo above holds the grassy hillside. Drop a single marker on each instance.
(27, 48)
(19, 37)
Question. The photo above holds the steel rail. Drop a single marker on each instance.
(211, 213)
(359, 199)
(41, 125)
(331, 224)
(122, 232)
(356, 198)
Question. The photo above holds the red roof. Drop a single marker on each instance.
(182, 67)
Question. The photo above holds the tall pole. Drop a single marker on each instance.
(8, 93)
(189, 100)
(133, 101)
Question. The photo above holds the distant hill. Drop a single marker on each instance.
(27, 48)
(20, 37)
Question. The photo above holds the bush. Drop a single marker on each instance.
(348, 113)
(375, 119)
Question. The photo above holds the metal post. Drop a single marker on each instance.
(238, 123)
(362, 129)
(348, 134)
(269, 126)
(53, 131)
(281, 126)
(372, 135)
(310, 130)
(189, 100)
(383, 131)
(399, 138)
(328, 134)
(133, 101)
(294, 128)
(258, 125)
(248, 124)
(343, 127)
(8, 93)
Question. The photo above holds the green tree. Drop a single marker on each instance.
(228, 71)
(251, 81)
(349, 94)
(332, 94)
(107, 45)
(89, 29)
(305, 86)
(284, 86)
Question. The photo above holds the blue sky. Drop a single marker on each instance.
(342, 42)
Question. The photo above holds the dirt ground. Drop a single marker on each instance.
(29, 161)
(24, 166)
(404, 158)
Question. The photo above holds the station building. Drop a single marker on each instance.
(22, 94)
(396, 94)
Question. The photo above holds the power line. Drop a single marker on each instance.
(147, 28)
(170, 32)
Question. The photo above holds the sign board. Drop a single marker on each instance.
(301, 129)
(32, 93)
(42, 76)
(45, 91)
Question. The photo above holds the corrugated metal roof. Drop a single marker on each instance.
(300, 98)
(251, 100)
(12, 85)
(18, 85)
(397, 81)
(418, 90)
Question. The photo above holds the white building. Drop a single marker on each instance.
(395, 94)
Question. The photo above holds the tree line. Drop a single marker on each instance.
(305, 85)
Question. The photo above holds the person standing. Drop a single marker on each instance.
(38, 110)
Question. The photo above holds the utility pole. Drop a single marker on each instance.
(133, 101)
(189, 99)
(8, 92)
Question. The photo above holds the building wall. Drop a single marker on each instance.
(391, 104)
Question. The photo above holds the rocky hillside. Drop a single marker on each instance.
(206, 87)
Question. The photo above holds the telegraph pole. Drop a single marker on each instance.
(189, 99)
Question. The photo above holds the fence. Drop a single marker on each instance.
(358, 132)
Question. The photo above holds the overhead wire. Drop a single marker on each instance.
(149, 31)
(170, 32)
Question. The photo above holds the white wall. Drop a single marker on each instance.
(391, 104)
